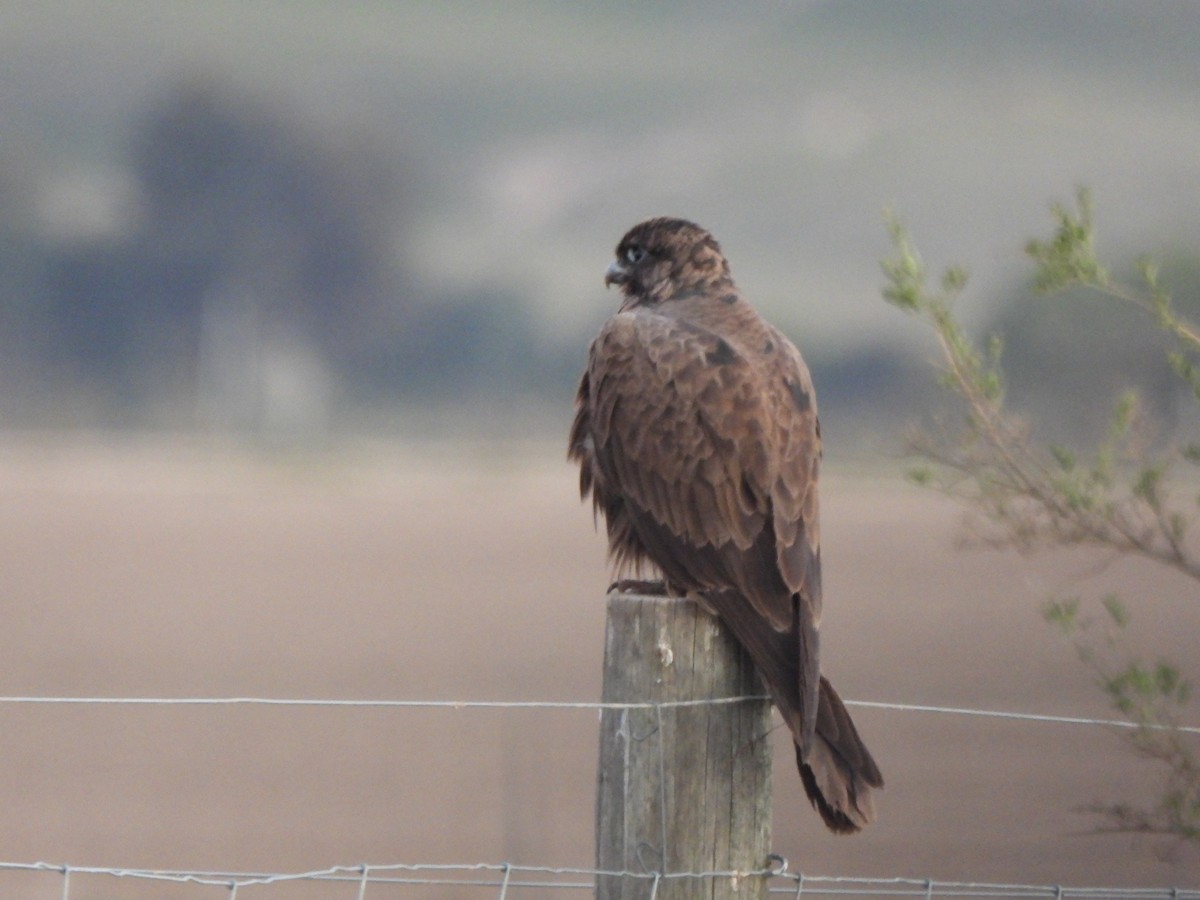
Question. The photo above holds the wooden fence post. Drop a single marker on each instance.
(680, 788)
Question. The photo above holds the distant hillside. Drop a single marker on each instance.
(485, 159)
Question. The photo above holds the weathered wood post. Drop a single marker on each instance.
(681, 788)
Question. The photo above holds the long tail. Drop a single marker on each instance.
(837, 771)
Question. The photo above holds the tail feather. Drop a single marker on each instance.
(836, 767)
(839, 772)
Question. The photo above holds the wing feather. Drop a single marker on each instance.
(677, 416)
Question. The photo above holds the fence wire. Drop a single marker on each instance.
(504, 880)
(576, 705)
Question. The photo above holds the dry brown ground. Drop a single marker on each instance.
(133, 571)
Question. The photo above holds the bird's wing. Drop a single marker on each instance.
(795, 509)
(718, 447)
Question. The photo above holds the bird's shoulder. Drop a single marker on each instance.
(703, 331)
(734, 378)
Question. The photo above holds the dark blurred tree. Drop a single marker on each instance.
(22, 325)
(260, 287)
(236, 189)
(264, 255)
(267, 246)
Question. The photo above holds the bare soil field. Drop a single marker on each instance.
(159, 571)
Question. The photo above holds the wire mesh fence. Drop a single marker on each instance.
(508, 881)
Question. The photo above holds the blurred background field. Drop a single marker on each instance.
(157, 572)
(293, 298)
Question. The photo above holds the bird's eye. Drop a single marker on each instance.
(634, 254)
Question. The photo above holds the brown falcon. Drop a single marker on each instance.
(696, 434)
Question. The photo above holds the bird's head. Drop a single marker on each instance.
(666, 259)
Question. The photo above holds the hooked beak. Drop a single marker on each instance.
(615, 273)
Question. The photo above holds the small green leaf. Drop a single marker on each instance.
(904, 270)
(954, 279)
(1167, 680)
(1178, 526)
(1147, 267)
(1069, 257)
(991, 385)
(922, 476)
(995, 349)
(1063, 613)
(1064, 457)
(1123, 414)
(1146, 486)
(1116, 610)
